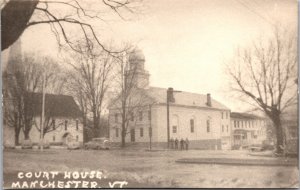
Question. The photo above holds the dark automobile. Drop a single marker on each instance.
(97, 144)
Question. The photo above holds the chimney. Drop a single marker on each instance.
(170, 95)
(208, 103)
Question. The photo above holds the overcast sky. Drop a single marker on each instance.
(186, 42)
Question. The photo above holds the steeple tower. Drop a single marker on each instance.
(137, 73)
(14, 56)
(15, 51)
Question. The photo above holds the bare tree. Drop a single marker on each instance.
(17, 16)
(76, 88)
(90, 80)
(131, 99)
(22, 77)
(265, 74)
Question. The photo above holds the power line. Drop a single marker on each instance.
(253, 11)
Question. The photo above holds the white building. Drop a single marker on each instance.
(200, 118)
(62, 121)
(247, 129)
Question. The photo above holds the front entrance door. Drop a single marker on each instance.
(132, 135)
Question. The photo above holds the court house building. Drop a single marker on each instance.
(201, 119)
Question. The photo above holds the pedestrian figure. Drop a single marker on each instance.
(181, 144)
(172, 143)
(186, 144)
(176, 143)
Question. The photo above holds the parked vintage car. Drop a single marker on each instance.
(256, 148)
(98, 144)
(46, 145)
(73, 145)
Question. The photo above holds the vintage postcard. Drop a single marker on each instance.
(149, 94)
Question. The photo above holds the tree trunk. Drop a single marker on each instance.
(17, 132)
(279, 133)
(27, 130)
(17, 129)
(123, 136)
(84, 125)
(26, 136)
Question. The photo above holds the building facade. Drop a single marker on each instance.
(62, 121)
(289, 121)
(247, 129)
(199, 118)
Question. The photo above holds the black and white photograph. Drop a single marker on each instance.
(149, 94)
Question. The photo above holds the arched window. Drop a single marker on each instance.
(192, 125)
(208, 125)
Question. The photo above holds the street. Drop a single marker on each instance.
(153, 169)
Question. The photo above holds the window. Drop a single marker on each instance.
(116, 117)
(141, 132)
(150, 131)
(117, 132)
(76, 125)
(174, 129)
(53, 138)
(192, 125)
(149, 115)
(242, 124)
(140, 115)
(222, 128)
(222, 115)
(234, 124)
(208, 126)
(66, 125)
(53, 124)
(227, 128)
(226, 115)
(77, 138)
(131, 116)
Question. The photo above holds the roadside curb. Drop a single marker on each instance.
(234, 161)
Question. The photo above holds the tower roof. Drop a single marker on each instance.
(137, 55)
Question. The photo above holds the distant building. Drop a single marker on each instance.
(200, 118)
(247, 129)
(62, 118)
(289, 121)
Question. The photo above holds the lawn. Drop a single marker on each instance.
(153, 169)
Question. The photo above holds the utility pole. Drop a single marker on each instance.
(150, 127)
(170, 98)
(43, 112)
(168, 117)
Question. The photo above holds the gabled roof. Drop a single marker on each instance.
(55, 105)
(139, 97)
(155, 95)
(238, 115)
(184, 98)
